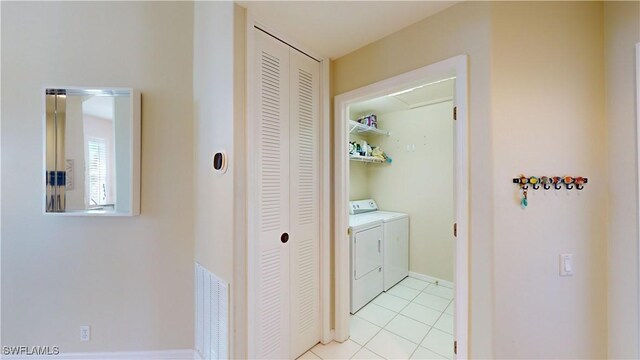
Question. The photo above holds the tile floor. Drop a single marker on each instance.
(413, 320)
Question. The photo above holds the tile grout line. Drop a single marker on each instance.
(433, 327)
(383, 327)
(408, 317)
(442, 297)
(397, 313)
(425, 335)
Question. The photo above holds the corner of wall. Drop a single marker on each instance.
(621, 33)
(239, 296)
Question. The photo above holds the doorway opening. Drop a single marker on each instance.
(401, 194)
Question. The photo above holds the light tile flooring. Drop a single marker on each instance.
(413, 320)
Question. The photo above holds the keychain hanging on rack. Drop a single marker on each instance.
(569, 183)
(524, 187)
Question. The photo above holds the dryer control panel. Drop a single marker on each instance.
(362, 206)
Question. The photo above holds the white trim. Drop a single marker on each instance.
(638, 164)
(251, 190)
(431, 279)
(326, 334)
(458, 67)
(182, 354)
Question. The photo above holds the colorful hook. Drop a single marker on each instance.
(535, 182)
(568, 180)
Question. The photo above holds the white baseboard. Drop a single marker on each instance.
(431, 279)
(183, 354)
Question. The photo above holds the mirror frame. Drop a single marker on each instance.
(135, 145)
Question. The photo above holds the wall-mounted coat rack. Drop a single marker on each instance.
(557, 182)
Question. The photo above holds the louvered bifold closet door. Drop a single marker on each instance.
(270, 206)
(305, 202)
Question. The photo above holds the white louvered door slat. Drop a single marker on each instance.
(271, 206)
(305, 201)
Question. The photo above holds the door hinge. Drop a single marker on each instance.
(455, 229)
(349, 231)
(455, 347)
(455, 113)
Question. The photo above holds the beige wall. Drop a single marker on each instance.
(420, 183)
(622, 32)
(358, 180)
(218, 89)
(536, 106)
(130, 278)
(548, 118)
(213, 132)
(359, 173)
(461, 29)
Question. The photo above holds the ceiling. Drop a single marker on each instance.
(98, 106)
(335, 28)
(435, 92)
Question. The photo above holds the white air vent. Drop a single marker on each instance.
(212, 315)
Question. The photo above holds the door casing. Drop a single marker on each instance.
(455, 66)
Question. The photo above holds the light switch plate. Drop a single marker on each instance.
(566, 264)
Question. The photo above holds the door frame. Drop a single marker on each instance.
(456, 66)
(638, 162)
(252, 22)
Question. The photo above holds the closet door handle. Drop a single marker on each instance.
(379, 240)
(284, 238)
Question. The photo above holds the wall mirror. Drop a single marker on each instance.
(92, 151)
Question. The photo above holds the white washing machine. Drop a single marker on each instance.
(395, 239)
(366, 259)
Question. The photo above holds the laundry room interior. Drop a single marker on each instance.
(402, 211)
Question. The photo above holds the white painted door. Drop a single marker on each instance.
(284, 202)
(269, 279)
(305, 201)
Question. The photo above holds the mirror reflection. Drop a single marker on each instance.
(88, 150)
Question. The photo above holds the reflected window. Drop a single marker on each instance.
(98, 189)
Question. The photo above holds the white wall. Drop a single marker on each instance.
(74, 149)
(130, 278)
(420, 183)
(218, 91)
(122, 125)
(621, 33)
